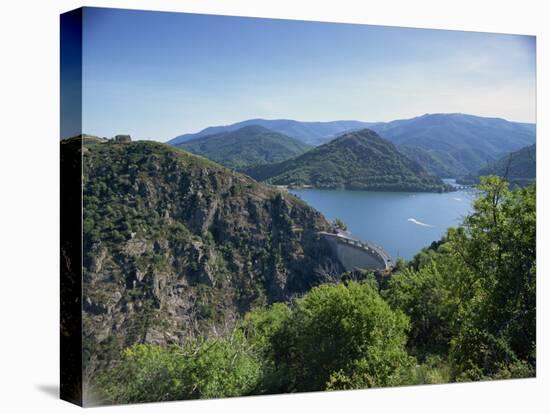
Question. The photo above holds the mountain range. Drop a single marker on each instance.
(357, 160)
(245, 147)
(462, 142)
(311, 133)
(446, 145)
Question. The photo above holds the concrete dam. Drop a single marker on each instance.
(357, 254)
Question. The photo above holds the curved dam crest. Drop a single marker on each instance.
(357, 254)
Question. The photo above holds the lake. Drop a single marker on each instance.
(402, 223)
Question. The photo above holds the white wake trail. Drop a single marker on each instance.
(415, 221)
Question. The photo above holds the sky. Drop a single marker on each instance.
(156, 75)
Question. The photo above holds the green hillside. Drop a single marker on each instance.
(518, 167)
(359, 160)
(445, 144)
(468, 142)
(245, 147)
(439, 163)
(176, 245)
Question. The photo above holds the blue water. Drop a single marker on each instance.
(402, 223)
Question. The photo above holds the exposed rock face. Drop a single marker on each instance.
(175, 245)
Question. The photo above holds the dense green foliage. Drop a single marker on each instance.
(342, 336)
(499, 244)
(359, 160)
(246, 147)
(424, 295)
(335, 337)
(208, 368)
(462, 309)
(471, 299)
(518, 168)
(437, 162)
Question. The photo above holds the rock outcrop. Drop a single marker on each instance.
(178, 246)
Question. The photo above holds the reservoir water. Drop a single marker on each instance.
(402, 223)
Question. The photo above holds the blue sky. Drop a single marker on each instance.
(156, 75)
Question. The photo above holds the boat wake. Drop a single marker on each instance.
(419, 223)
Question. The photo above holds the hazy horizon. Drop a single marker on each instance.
(156, 75)
(122, 132)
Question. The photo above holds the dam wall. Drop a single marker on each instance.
(357, 254)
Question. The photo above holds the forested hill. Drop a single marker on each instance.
(248, 146)
(463, 143)
(176, 245)
(445, 144)
(518, 164)
(439, 163)
(359, 160)
(518, 167)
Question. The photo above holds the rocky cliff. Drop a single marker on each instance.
(178, 246)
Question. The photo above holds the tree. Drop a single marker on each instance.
(471, 297)
(425, 296)
(342, 336)
(499, 247)
(262, 327)
(144, 373)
